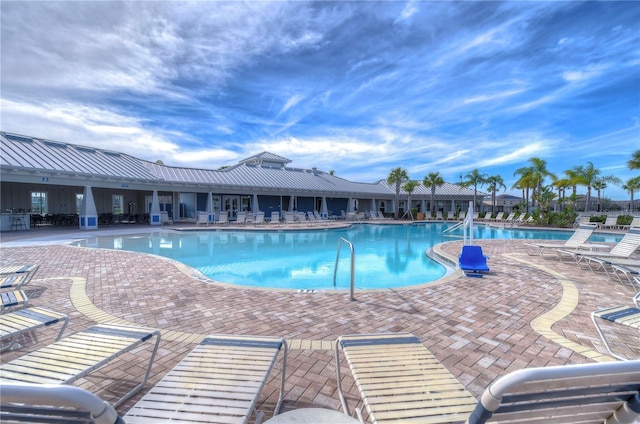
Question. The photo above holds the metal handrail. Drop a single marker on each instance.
(353, 257)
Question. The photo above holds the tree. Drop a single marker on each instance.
(634, 162)
(525, 182)
(586, 176)
(561, 184)
(433, 180)
(544, 196)
(494, 182)
(475, 179)
(397, 177)
(409, 186)
(539, 173)
(598, 186)
(631, 186)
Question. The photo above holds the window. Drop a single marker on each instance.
(39, 202)
(116, 204)
(79, 198)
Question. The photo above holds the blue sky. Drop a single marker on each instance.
(355, 87)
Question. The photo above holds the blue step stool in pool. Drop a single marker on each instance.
(472, 260)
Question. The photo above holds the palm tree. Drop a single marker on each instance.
(631, 186)
(475, 179)
(634, 162)
(586, 176)
(545, 196)
(494, 182)
(561, 184)
(397, 177)
(598, 186)
(433, 180)
(525, 182)
(539, 172)
(409, 186)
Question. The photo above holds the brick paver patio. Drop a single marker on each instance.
(527, 312)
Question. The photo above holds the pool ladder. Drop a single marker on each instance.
(353, 257)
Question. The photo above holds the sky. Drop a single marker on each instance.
(354, 87)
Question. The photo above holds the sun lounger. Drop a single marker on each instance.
(223, 218)
(622, 315)
(44, 403)
(579, 393)
(220, 381)
(400, 380)
(13, 299)
(77, 355)
(580, 237)
(631, 272)
(611, 222)
(17, 269)
(14, 324)
(16, 280)
(622, 250)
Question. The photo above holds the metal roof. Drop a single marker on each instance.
(264, 172)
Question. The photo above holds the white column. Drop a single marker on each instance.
(154, 213)
(88, 214)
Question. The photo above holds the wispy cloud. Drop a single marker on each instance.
(357, 87)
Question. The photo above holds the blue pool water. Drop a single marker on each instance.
(386, 256)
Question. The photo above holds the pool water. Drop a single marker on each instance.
(386, 256)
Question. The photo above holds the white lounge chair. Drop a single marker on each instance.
(259, 218)
(14, 324)
(16, 280)
(223, 218)
(400, 381)
(219, 381)
(241, 219)
(611, 222)
(202, 218)
(75, 356)
(622, 250)
(623, 315)
(580, 237)
(275, 218)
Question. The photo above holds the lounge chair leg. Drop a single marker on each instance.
(146, 375)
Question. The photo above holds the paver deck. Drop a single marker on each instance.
(528, 311)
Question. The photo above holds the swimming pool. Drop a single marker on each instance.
(386, 256)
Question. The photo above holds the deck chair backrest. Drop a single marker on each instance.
(580, 235)
(259, 218)
(400, 380)
(93, 348)
(629, 243)
(223, 217)
(28, 402)
(611, 221)
(584, 393)
(219, 381)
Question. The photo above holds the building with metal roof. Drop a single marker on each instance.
(51, 178)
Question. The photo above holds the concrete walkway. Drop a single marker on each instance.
(527, 312)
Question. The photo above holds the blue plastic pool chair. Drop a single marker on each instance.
(471, 259)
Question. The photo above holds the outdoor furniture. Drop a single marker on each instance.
(400, 380)
(219, 381)
(17, 269)
(13, 299)
(622, 250)
(579, 393)
(622, 315)
(472, 259)
(14, 324)
(77, 355)
(578, 239)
